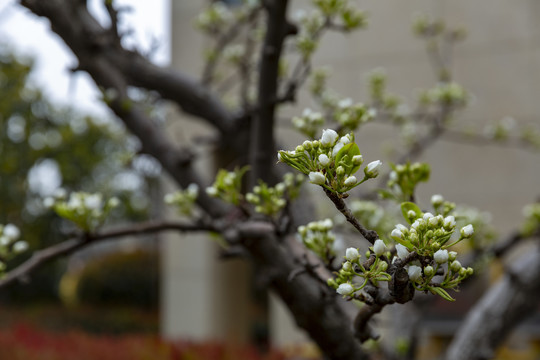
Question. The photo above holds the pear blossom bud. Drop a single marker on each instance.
(350, 181)
(449, 222)
(470, 271)
(357, 160)
(302, 230)
(441, 256)
(345, 289)
(352, 254)
(299, 149)
(11, 232)
(455, 266)
(347, 266)
(434, 221)
(252, 198)
(452, 255)
(317, 178)
(340, 170)
(467, 231)
(402, 251)
(372, 169)
(396, 233)
(336, 148)
(401, 228)
(379, 247)
(114, 201)
(414, 272)
(212, 191)
(20, 246)
(427, 216)
(411, 214)
(329, 137)
(307, 145)
(437, 200)
(428, 270)
(327, 224)
(324, 160)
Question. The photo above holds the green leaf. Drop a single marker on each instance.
(408, 206)
(349, 150)
(442, 293)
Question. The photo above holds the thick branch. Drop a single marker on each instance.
(41, 257)
(262, 146)
(89, 40)
(503, 307)
(315, 307)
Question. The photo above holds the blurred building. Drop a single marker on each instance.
(499, 63)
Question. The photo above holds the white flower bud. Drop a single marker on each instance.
(396, 233)
(48, 202)
(350, 181)
(336, 148)
(212, 191)
(324, 159)
(345, 289)
(352, 254)
(401, 228)
(372, 169)
(428, 270)
(347, 266)
(467, 231)
(414, 272)
(11, 232)
(437, 200)
(357, 159)
(411, 214)
(449, 222)
(113, 202)
(427, 216)
(441, 256)
(327, 224)
(20, 246)
(329, 137)
(379, 247)
(455, 266)
(93, 202)
(402, 251)
(452, 255)
(317, 177)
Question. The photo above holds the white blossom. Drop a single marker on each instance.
(449, 222)
(93, 202)
(441, 256)
(455, 266)
(327, 224)
(212, 191)
(467, 231)
(317, 177)
(20, 246)
(11, 232)
(414, 272)
(350, 181)
(402, 251)
(379, 247)
(401, 228)
(427, 216)
(352, 254)
(396, 233)
(329, 137)
(345, 289)
(372, 169)
(324, 159)
(437, 200)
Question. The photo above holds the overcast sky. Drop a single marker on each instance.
(29, 35)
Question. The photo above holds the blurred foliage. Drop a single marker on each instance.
(122, 278)
(44, 147)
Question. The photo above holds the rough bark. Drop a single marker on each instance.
(498, 312)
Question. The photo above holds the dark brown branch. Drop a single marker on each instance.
(41, 257)
(369, 235)
(262, 145)
(504, 306)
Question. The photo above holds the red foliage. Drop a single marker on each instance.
(24, 342)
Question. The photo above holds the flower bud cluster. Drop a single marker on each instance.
(271, 200)
(447, 94)
(350, 116)
(309, 123)
(429, 238)
(228, 185)
(318, 237)
(442, 206)
(404, 178)
(353, 269)
(10, 244)
(349, 17)
(214, 17)
(330, 161)
(183, 199)
(88, 211)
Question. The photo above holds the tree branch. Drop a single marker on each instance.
(41, 257)
(505, 305)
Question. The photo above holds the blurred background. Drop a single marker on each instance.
(56, 133)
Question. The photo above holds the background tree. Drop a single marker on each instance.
(267, 230)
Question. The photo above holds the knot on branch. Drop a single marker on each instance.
(401, 289)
